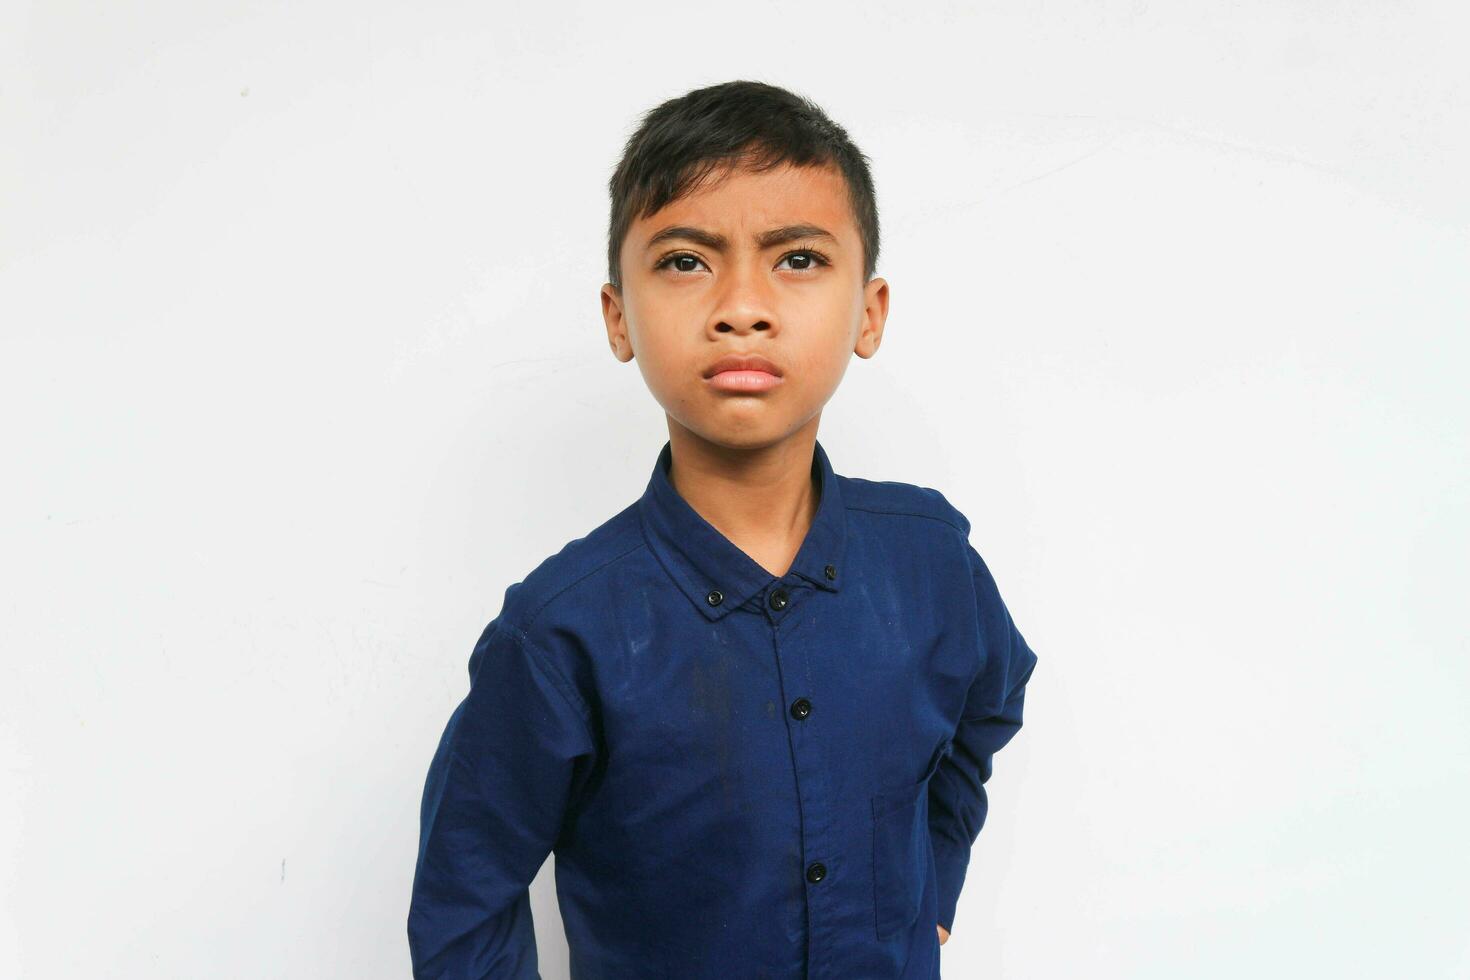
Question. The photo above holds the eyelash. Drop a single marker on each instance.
(821, 260)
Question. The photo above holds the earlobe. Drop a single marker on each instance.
(622, 346)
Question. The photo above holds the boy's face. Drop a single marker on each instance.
(690, 299)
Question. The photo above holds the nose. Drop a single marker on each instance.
(744, 302)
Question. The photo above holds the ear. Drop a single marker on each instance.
(875, 314)
(618, 336)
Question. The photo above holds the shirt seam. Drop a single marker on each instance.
(909, 513)
(536, 613)
(558, 680)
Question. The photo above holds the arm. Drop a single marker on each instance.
(510, 762)
(992, 716)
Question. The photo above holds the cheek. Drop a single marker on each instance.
(827, 357)
(818, 373)
(667, 366)
(827, 347)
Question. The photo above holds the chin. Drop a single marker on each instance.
(745, 437)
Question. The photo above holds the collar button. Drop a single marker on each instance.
(831, 572)
(778, 599)
(715, 597)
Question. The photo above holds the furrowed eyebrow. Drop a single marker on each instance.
(719, 243)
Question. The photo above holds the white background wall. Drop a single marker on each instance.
(301, 364)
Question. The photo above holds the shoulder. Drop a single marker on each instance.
(548, 614)
(902, 501)
(576, 564)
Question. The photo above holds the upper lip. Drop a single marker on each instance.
(742, 362)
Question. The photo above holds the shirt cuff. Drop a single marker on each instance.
(950, 865)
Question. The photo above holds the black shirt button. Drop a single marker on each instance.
(816, 872)
(800, 708)
(778, 599)
(715, 597)
(831, 572)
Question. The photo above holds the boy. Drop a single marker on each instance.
(753, 713)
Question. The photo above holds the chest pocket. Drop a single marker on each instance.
(900, 850)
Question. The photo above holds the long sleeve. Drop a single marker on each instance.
(509, 764)
(992, 716)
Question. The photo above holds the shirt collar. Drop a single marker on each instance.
(715, 574)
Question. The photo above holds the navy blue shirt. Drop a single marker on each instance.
(741, 775)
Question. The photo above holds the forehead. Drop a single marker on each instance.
(736, 202)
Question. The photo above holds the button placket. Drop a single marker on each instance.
(778, 601)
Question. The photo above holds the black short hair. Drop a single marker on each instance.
(753, 124)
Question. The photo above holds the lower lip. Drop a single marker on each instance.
(744, 381)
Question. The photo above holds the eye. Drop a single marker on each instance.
(813, 258)
(678, 257)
